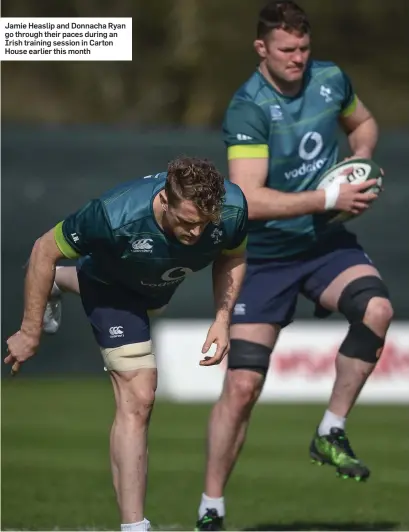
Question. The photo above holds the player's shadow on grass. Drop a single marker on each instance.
(322, 525)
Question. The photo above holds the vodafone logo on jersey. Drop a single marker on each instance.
(176, 274)
(170, 277)
(310, 147)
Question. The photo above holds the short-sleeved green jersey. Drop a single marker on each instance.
(120, 242)
(299, 137)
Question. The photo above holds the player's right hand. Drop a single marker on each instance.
(20, 347)
(353, 198)
(218, 334)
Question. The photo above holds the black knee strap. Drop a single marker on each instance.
(356, 295)
(249, 355)
(361, 342)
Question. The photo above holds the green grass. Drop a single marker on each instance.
(56, 475)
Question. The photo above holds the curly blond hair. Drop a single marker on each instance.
(196, 180)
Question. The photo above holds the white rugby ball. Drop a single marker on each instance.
(354, 171)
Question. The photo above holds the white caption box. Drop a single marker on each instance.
(66, 39)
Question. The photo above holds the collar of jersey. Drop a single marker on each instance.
(285, 96)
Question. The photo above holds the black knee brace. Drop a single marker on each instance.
(249, 355)
(357, 294)
(361, 342)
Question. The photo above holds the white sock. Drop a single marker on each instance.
(141, 525)
(55, 290)
(330, 420)
(208, 503)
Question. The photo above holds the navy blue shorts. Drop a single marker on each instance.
(271, 286)
(117, 316)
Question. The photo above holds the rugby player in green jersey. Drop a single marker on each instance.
(281, 130)
(134, 246)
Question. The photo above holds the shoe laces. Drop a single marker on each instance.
(211, 513)
(339, 437)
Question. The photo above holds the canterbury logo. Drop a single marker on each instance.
(145, 245)
(116, 331)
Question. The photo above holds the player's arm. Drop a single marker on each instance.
(246, 134)
(229, 270)
(266, 203)
(358, 123)
(248, 167)
(38, 283)
(228, 276)
(75, 236)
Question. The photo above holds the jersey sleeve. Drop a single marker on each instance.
(84, 231)
(245, 131)
(238, 239)
(349, 101)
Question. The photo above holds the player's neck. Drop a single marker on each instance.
(281, 86)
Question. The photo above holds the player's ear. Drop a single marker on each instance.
(260, 48)
(163, 200)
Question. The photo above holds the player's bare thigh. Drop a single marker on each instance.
(260, 333)
(66, 278)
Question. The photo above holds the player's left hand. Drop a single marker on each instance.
(363, 156)
(20, 347)
(218, 334)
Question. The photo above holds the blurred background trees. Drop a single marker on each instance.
(190, 55)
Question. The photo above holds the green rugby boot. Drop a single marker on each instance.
(334, 449)
(210, 521)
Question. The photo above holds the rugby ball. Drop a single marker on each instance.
(354, 171)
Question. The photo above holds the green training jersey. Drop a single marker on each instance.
(120, 242)
(299, 137)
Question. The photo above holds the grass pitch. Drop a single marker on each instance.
(56, 473)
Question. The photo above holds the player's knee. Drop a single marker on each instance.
(242, 389)
(379, 312)
(248, 364)
(364, 292)
(144, 399)
(135, 401)
(365, 298)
